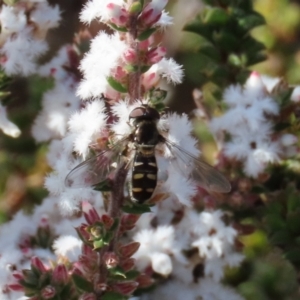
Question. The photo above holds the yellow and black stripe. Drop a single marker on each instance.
(144, 176)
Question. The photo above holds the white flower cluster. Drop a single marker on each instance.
(23, 30)
(250, 127)
(162, 246)
(162, 249)
(15, 248)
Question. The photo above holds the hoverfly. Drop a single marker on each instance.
(145, 137)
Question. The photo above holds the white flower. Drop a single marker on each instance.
(68, 246)
(52, 120)
(7, 126)
(156, 246)
(105, 53)
(87, 125)
(21, 52)
(12, 19)
(95, 9)
(248, 126)
(215, 243)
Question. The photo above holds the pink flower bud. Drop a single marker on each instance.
(127, 264)
(118, 15)
(144, 45)
(16, 287)
(144, 281)
(151, 78)
(44, 221)
(89, 296)
(60, 275)
(111, 259)
(17, 275)
(37, 264)
(82, 232)
(119, 73)
(130, 56)
(125, 288)
(156, 54)
(107, 221)
(152, 12)
(128, 221)
(48, 292)
(90, 213)
(129, 249)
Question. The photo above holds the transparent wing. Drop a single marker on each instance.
(198, 170)
(97, 168)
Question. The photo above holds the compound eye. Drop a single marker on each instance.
(137, 113)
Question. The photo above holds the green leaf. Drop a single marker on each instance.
(216, 16)
(116, 85)
(226, 40)
(146, 34)
(117, 272)
(293, 255)
(210, 51)
(113, 296)
(293, 222)
(281, 237)
(136, 7)
(136, 209)
(82, 284)
(132, 274)
(250, 21)
(135, 68)
(197, 26)
(98, 244)
(103, 186)
(114, 26)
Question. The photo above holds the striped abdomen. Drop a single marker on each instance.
(144, 175)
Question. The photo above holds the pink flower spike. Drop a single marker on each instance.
(90, 213)
(118, 15)
(48, 292)
(38, 265)
(156, 54)
(60, 274)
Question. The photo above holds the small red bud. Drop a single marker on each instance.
(144, 281)
(111, 259)
(37, 264)
(16, 287)
(127, 264)
(60, 275)
(129, 249)
(90, 213)
(17, 275)
(107, 221)
(125, 288)
(89, 296)
(48, 292)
